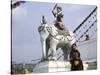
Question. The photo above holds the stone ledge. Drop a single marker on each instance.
(54, 66)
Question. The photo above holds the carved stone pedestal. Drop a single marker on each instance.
(52, 66)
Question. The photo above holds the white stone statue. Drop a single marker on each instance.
(52, 40)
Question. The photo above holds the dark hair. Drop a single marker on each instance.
(74, 44)
(59, 8)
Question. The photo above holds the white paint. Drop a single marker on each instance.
(88, 49)
(54, 66)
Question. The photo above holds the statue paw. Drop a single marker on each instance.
(44, 59)
(53, 59)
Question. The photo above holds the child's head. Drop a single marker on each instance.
(74, 46)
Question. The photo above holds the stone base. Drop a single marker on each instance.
(52, 66)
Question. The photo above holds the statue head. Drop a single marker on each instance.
(59, 25)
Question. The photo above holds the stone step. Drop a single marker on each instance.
(54, 66)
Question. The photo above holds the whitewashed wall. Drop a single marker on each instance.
(88, 49)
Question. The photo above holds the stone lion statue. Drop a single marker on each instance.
(53, 38)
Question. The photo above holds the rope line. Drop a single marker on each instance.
(85, 20)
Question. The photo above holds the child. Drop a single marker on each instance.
(75, 60)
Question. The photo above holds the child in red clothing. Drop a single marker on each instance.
(75, 60)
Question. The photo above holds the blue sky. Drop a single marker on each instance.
(26, 18)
